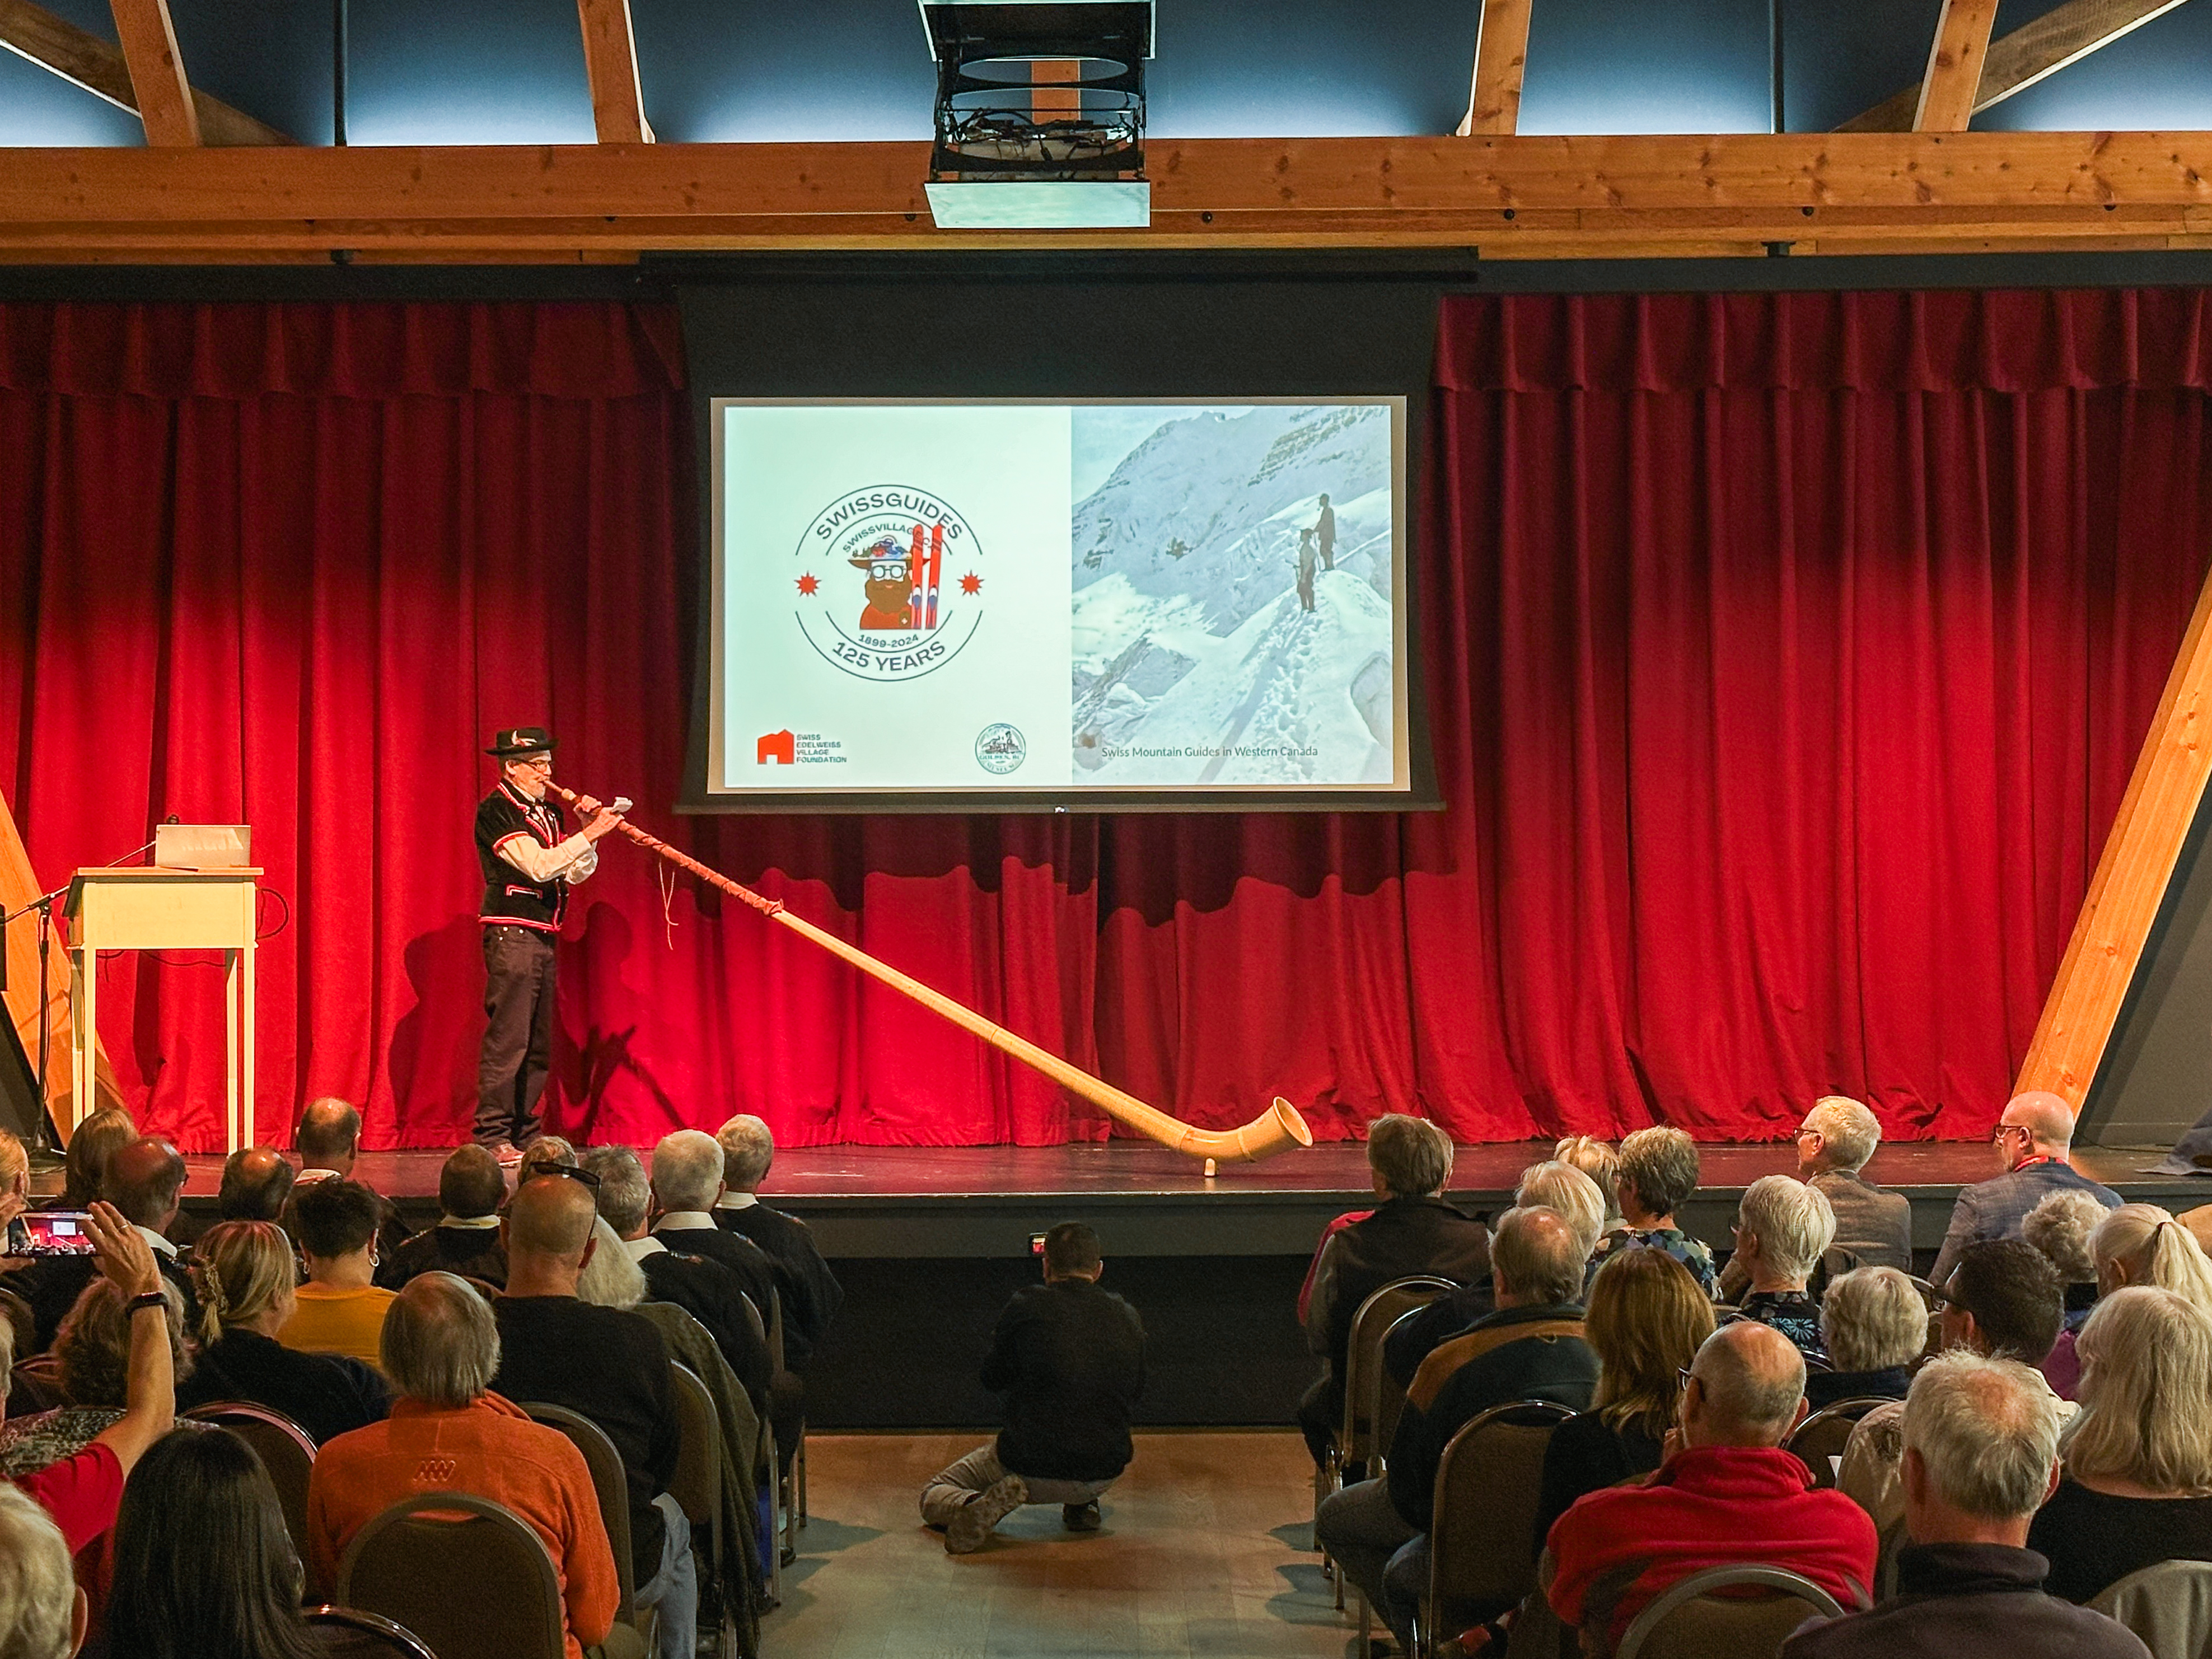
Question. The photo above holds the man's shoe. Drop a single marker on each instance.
(1080, 1517)
(507, 1153)
(966, 1532)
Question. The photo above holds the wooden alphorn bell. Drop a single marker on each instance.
(1277, 1128)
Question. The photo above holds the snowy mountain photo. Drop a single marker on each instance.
(1232, 615)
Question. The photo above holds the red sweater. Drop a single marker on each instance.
(490, 1449)
(1709, 1506)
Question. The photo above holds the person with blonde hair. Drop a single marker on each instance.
(1597, 1160)
(244, 1272)
(2138, 1478)
(1646, 1321)
(1874, 1325)
(1783, 1227)
(1658, 1175)
(2141, 1244)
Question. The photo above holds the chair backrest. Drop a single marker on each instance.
(1892, 1539)
(753, 1319)
(373, 1629)
(285, 1449)
(775, 1328)
(2167, 1604)
(1363, 1352)
(697, 1485)
(1386, 1399)
(1697, 1618)
(1821, 1437)
(35, 1385)
(1482, 1551)
(428, 1562)
(608, 1481)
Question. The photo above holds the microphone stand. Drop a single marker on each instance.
(39, 1148)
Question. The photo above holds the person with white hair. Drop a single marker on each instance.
(2031, 1139)
(42, 1612)
(1782, 1228)
(687, 1184)
(2138, 1479)
(1874, 1226)
(812, 1295)
(1981, 1442)
(1728, 1494)
(441, 1351)
(2062, 1226)
(1874, 1325)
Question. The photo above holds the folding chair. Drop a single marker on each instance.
(697, 1487)
(2167, 1604)
(1482, 1551)
(285, 1449)
(434, 1577)
(371, 1628)
(1821, 1437)
(611, 1483)
(1693, 1620)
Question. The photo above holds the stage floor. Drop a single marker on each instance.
(943, 1201)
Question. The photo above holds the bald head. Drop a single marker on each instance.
(256, 1182)
(551, 1217)
(143, 1181)
(329, 1133)
(1751, 1387)
(2048, 1120)
(1536, 1259)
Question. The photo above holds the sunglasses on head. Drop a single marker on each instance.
(566, 1172)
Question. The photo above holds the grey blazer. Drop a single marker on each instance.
(1997, 1208)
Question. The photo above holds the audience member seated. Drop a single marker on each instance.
(1412, 1232)
(706, 1290)
(1728, 1494)
(1782, 1227)
(466, 1241)
(611, 1280)
(1874, 1226)
(546, 1153)
(257, 1183)
(1597, 1160)
(1552, 1186)
(2003, 1301)
(610, 1366)
(329, 1142)
(1981, 1438)
(1658, 1173)
(145, 1181)
(811, 1293)
(1873, 1326)
(94, 1141)
(2031, 1140)
(15, 1181)
(2061, 1225)
(2141, 1244)
(1532, 1348)
(687, 1184)
(204, 1567)
(80, 1488)
(442, 1350)
(99, 1354)
(42, 1612)
(1070, 1358)
(2138, 1481)
(340, 1310)
(243, 1270)
(1646, 1321)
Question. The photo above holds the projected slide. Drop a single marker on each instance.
(1171, 598)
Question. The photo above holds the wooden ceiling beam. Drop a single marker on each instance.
(1815, 190)
(611, 66)
(1955, 60)
(157, 72)
(1501, 59)
(2065, 34)
(83, 59)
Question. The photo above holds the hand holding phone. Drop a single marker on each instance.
(50, 1232)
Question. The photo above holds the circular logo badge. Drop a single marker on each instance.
(890, 582)
(1000, 749)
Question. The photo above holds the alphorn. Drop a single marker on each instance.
(1277, 1128)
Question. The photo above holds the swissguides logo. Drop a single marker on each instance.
(890, 582)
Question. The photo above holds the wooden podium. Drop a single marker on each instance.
(146, 907)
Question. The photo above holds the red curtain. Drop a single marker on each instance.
(1786, 658)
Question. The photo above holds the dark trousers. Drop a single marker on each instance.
(1321, 1415)
(517, 1044)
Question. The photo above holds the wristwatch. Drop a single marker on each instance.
(145, 1299)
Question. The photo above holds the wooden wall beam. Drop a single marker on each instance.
(2065, 34)
(2133, 873)
(1820, 192)
(84, 59)
(157, 72)
(611, 66)
(1501, 56)
(1955, 59)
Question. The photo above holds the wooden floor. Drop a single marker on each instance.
(1202, 1554)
